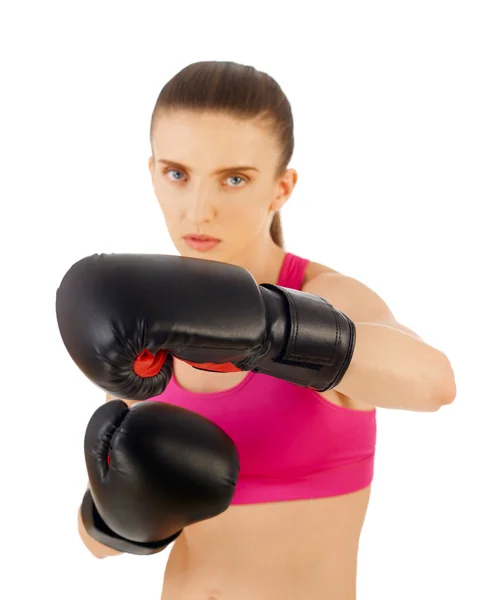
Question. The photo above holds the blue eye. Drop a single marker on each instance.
(174, 171)
(241, 179)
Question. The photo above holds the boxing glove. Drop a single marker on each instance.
(122, 317)
(153, 469)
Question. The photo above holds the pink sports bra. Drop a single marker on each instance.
(292, 443)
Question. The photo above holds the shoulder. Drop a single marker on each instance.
(315, 269)
(348, 294)
(354, 298)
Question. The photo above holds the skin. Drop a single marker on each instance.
(235, 206)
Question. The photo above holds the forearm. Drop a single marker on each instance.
(391, 369)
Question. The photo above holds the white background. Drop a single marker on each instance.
(394, 104)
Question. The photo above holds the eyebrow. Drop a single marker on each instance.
(181, 167)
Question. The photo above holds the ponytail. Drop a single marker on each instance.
(276, 230)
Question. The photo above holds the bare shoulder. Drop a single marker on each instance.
(349, 295)
(315, 269)
(357, 300)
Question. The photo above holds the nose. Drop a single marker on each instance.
(201, 209)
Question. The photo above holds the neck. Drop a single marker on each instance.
(264, 261)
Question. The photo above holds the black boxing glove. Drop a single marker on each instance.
(153, 469)
(123, 316)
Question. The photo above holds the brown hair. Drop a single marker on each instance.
(239, 90)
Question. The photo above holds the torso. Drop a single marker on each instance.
(276, 551)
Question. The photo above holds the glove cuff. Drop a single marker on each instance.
(310, 342)
(98, 530)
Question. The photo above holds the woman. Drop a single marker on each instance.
(222, 139)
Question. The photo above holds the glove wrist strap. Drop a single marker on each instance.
(98, 530)
(309, 342)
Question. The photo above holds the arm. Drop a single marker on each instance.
(392, 367)
(306, 337)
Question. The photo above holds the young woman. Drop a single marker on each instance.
(222, 139)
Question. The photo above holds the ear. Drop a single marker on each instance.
(284, 188)
(150, 165)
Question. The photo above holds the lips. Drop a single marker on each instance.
(200, 238)
(200, 242)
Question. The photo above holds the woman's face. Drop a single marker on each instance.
(215, 176)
